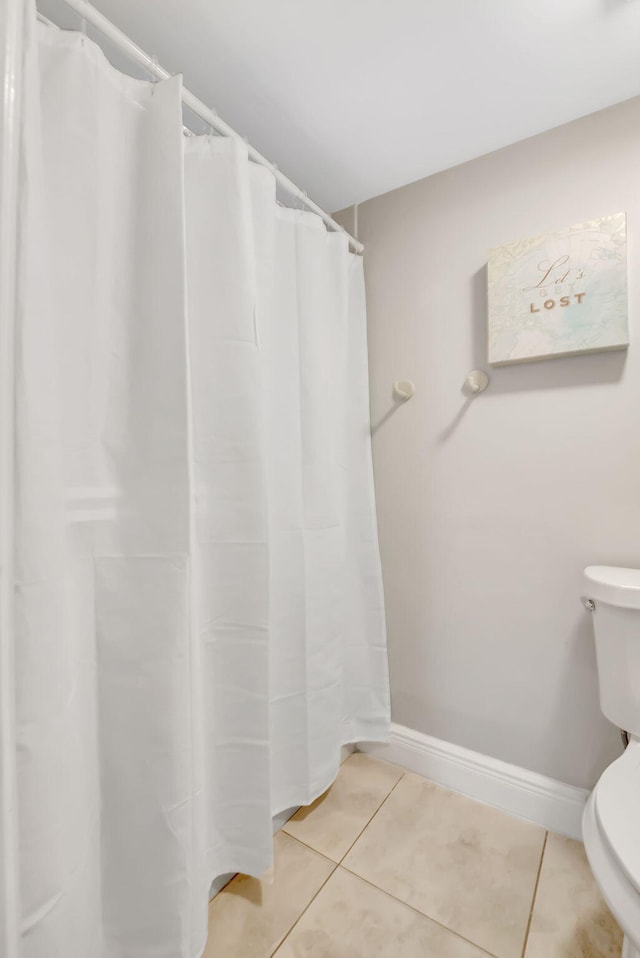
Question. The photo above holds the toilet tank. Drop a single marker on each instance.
(616, 622)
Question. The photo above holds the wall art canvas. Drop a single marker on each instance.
(559, 294)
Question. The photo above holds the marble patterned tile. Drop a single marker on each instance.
(468, 866)
(249, 918)
(333, 822)
(570, 918)
(351, 919)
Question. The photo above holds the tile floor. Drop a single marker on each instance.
(387, 864)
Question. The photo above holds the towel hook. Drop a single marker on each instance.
(403, 389)
(476, 382)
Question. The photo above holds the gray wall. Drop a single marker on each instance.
(490, 508)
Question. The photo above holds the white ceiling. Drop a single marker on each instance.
(352, 98)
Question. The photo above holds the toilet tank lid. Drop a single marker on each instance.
(613, 585)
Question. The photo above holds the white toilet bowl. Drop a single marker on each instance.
(611, 832)
(611, 821)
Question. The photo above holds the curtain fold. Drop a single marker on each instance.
(199, 610)
(231, 547)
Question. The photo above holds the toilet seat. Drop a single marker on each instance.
(620, 895)
(616, 802)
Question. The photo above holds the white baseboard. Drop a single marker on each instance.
(515, 790)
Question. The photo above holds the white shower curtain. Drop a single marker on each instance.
(199, 611)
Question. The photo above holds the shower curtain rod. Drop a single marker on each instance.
(89, 13)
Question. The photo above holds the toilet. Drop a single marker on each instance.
(611, 821)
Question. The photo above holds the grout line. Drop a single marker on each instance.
(365, 827)
(417, 911)
(359, 835)
(336, 865)
(304, 910)
(533, 900)
(340, 865)
(310, 848)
